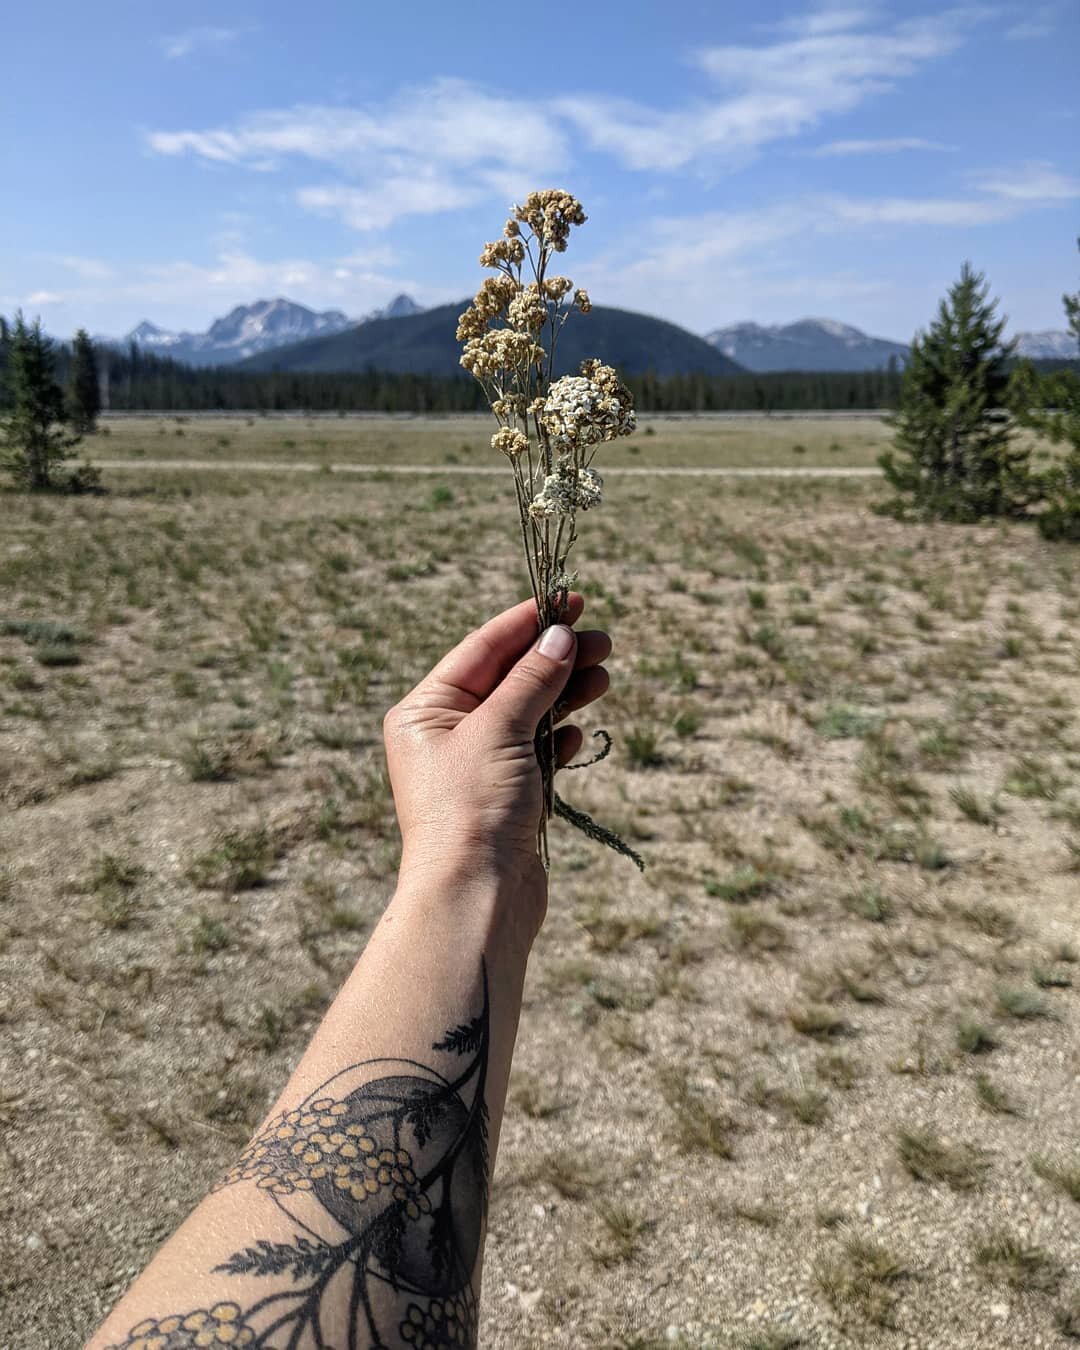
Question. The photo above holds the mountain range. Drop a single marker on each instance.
(825, 344)
(249, 329)
(809, 344)
(426, 344)
(402, 336)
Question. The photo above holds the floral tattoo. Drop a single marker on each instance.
(384, 1170)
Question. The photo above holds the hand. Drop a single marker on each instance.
(460, 746)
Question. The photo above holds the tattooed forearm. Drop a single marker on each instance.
(382, 1173)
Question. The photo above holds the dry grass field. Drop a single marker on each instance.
(720, 440)
(813, 1080)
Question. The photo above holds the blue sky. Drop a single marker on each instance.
(759, 159)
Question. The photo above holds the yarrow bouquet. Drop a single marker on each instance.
(549, 430)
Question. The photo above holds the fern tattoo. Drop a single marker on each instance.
(385, 1168)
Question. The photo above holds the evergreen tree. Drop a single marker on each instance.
(33, 436)
(84, 390)
(1050, 405)
(955, 458)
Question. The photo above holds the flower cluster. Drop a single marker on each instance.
(500, 349)
(319, 1144)
(489, 302)
(566, 490)
(550, 214)
(528, 310)
(581, 410)
(447, 1322)
(503, 252)
(221, 1325)
(510, 441)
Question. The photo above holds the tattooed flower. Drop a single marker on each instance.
(221, 1325)
(319, 1146)
(512, 443)
(566, 490)
(447, 1322)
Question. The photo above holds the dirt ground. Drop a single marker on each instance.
(813, 1080)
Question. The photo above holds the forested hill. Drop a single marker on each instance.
(425, 344)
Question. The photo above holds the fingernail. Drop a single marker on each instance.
(557, 642)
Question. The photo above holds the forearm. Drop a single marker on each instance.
(368, 1178)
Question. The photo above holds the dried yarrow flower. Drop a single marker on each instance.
(548, 430)
(566, 490)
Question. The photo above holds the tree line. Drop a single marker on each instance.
(956, 408)
(132, 380)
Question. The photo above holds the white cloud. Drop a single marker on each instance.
(185, 294)
(430, 149)
(1037, 182)
(179, 45)
(754, 250)
(834, 61)
(944, 211)
(89, 269)
(887, 146)
(376, 207)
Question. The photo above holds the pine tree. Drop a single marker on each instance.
(84, 390)
(955, 458)
(1050, 405)
(33, 436)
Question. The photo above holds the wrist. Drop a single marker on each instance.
(476, 886)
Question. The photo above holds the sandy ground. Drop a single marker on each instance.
(848, 748)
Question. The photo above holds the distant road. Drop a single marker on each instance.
(473, 470)
(785, 415)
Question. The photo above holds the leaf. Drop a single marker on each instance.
(422, 1113)
(465, 1039)
(298, 1258)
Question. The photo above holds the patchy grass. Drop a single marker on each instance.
(1006, 1257)
(929, 1158)
(860, 1280)
(240, 636)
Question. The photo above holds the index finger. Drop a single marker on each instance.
(481, 659)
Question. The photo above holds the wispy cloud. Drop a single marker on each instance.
(183, 293)
(430, 149)
(887, 146)
(1036, 182)
(1038, 22)
(178, 45)
(834, 61)
(752, 246)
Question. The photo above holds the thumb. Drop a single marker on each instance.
(532, 686)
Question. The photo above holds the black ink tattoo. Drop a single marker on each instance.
(397, 1156)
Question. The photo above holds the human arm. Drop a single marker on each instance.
(355, 1217)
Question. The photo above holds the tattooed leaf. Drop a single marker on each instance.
(387, 1241)
(464, 1039)
(441, 1241)
(423, 1115)
(298, 1258)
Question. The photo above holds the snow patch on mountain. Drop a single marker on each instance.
(1050, 344)
(807, 344)
(250, 329)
